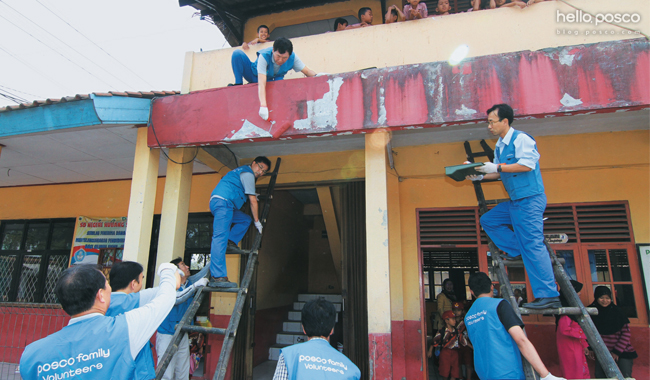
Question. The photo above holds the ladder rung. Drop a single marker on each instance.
(520, 263)
(561, 310)
(204, 330)
(496, 201)
(224, 290)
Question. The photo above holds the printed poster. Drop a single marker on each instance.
(95, 234)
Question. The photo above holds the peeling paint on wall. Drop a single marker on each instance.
(247, 131)
(322, 113)
(568, 101)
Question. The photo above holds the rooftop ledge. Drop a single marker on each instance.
(602, 77)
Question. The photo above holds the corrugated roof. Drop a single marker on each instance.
(130, 94)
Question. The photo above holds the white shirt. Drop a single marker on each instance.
(525, 151)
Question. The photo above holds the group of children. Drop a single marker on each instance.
(453, 348)
(451, 345)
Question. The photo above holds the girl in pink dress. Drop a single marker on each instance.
(572, 344)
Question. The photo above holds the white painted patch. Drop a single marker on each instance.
(548, 116)
(569, 101)
(249, 130)
(567, 59)
(323, 135)
(622, 110)
(343, 133)
(464, 111)
(381, 118)
(384, 217)
(321, 113)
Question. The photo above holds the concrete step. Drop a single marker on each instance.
(296, 316)
(299, 305)
(334, 298)
(292, 327)
(274, 351)
(290, 338)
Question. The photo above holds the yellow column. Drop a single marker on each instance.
(141, 203)
(378, 259)
(176, 205)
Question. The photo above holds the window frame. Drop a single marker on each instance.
(45, 256)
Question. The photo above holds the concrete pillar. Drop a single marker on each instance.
(142, 200)
(378, 259)
(176, 205)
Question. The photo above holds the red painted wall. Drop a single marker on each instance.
(20, 326)
(268, 323)
(381, 356)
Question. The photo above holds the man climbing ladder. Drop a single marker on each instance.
(516, 163)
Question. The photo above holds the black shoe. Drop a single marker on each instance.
(233, 248)
(221, 282)
(544, 303)
(234, 84)
(511, 258)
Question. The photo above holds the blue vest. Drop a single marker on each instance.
(176, 314)
(317, 360)
(496, 355)
(231, 188)
(120, 304)
(267, 55)
(519, 185)
(95, 348)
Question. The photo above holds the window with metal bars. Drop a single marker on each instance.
(33, 253)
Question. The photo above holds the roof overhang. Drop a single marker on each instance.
(604, 77)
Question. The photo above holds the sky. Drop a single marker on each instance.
(57, 48)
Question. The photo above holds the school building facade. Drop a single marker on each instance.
(362, 208)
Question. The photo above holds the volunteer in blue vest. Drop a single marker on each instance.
(127, 279)
(230, 223)
(497, 335)
(516, 162)
(93, 345)
(179, 366)
(315, 359)
(271, 64)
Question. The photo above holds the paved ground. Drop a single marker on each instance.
(265, 370)
(8, 371)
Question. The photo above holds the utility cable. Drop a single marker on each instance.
(22, 92)
(33, 68)
(158, 141)
(66, 44)
(57, 52)
(93, 42)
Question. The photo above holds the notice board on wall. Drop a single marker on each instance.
(93, 235)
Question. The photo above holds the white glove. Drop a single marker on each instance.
(321, 74)
(474, 177)
(487, 168)
(165, 266)
(551, 377)
(258, 225)
(201, 282)
(180, 272)
(264, 113)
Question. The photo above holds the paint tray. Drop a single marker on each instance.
(459, 172)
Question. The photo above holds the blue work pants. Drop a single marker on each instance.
(242, 67)
(229, 224)
(526, 239)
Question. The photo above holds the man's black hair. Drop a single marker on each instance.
(123, 273)
(283, 45)
(479, 283)
(362, 11)
(504, 111)
(339, 21)
(263, 160)
(77, 287)
(177, 261)
(318, 317)
(265, 27)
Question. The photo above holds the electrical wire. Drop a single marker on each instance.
(22, 92)
(13, 97)
(158, 141)
(66, 44)
(610, 23)
(36, 70)
(93, 42)
(57, 52)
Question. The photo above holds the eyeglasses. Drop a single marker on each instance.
(492, 122)
(264, 171)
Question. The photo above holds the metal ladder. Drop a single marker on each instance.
(576, 307)
(185, 325)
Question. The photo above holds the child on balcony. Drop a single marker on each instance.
(394, 14)
(262, 36)
(340, 24)
(365, 18)
(443, 8)
(415, 10)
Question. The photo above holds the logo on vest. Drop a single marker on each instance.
(476, 317)
(324, 364)
(58, 365)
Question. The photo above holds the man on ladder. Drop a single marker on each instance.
(516, 163)
(230, 224)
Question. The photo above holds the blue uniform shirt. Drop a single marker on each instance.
(317, 360)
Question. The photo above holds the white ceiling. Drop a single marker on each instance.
(107, 152)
